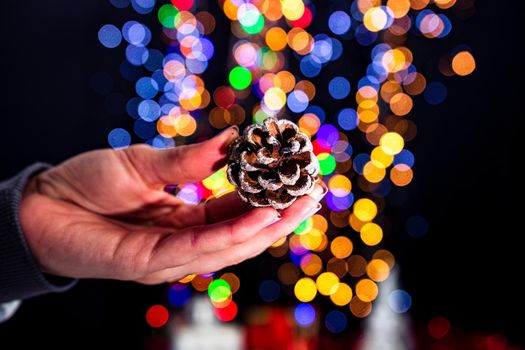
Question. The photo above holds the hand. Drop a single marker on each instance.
(105, 214)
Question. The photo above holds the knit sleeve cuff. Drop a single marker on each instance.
(20, 275)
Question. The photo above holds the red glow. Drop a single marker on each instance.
(182, 5)
(438, 327)
(305, 20)
(224, 97)
(227, 313)
(320, 149)
(157, 316)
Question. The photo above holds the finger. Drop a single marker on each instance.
(182, 164)
(292, 217)
(215, 210)
(192, 242)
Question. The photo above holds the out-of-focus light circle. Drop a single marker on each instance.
(274, 98)
(292, 9)
(119, 138)
(378, 270)
(179, 294)
(371, 234)
(416, 226)
(365, 209)
(435, 93)
(341, 247)
(109, 36)
(327, 136)
(157, 316)
(348, 119)
(392, 143)
(438, 327)
(339, 22)
(149, 110)
(399, 301)
(339, 88)
(228, 313)
(240, 78)
(269, 290)
(304, 314)
(182, 5)
(276, 38)
(305, 289)
(327, 163)
(463, 63)
(219, 290)
(366, 290)
(341, 294)
(336, 321)
(325, 282)
(146, 87)
(120, 3)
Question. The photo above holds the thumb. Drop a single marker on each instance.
(184, 163)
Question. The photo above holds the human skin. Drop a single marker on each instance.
(105, 214)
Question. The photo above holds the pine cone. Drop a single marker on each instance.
(272, 164)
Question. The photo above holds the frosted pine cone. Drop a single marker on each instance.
(272, 164)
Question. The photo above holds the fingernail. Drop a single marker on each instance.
(277, 218)
(313, 211)
(319, 194)
(231, 131)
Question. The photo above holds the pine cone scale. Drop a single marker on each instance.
(272, 164)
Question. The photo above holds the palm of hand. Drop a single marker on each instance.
(105, 214)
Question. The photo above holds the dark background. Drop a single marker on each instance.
(467, 180)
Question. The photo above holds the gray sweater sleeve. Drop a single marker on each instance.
(20, 275)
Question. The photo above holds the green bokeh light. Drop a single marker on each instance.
(256, 28)
(219, 290)
(327, 163)
(304, 227)
(240, 78)
(167, 15)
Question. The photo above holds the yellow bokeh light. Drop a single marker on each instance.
(366, 290)
(341, 294)
(365, 209)
(374, 171)
(392, 143)
(341, 247)
(394, 60)
(381, 158)
(463, 63)
(292, 9)
(185, 125)
(312, 239)
(371, 234)
(375, 19)
(340, 185)
(378, 270)
(325, 282)
(275, 98)
(305, 290)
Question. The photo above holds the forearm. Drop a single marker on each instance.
(20, 274)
